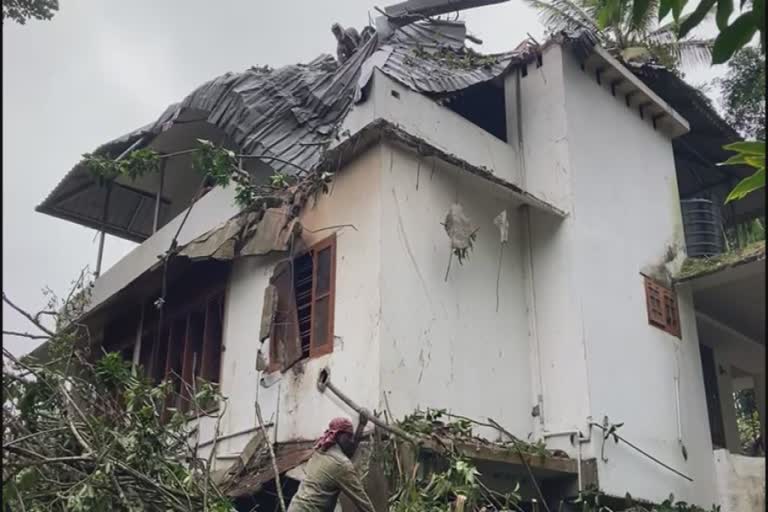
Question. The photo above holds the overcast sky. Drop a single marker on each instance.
(102, 68)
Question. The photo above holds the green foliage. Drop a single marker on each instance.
(90, 436)
(628, 29)
(748, 422)
(463, 58)
(134, 165)
(218, 165)
(594, 500)
(752, 154)
(743, 93)
(22, 11)
(436, 493)
(733, 35)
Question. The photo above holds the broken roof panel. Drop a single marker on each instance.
(289, 115)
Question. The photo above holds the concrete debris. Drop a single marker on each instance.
(502, 223)
(459, 228)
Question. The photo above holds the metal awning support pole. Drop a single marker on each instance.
(158, 199)
(103, 233)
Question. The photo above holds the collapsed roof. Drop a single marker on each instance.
(289, 116)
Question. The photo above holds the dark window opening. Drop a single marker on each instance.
(302, 284)
(302, 326)
(188, 346)
(714, 408)
(483, 105)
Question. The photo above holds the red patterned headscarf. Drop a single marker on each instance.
(336, 426)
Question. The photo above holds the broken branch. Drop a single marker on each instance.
(27, 316)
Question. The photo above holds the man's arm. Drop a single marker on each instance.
(362, 422)
(352, 487)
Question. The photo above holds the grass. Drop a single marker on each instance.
(695, 267)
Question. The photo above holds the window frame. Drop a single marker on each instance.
(662, 308)
(315, 351)
(327, 348)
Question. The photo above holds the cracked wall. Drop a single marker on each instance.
(443, 344)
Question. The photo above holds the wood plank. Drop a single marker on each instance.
(508, 455)
(213, 330)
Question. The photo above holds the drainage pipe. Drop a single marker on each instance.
(579, 441)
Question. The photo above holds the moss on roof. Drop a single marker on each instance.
(697, 267)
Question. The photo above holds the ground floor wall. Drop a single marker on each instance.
(740, 482)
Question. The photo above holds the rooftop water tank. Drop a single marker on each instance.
(703, 224)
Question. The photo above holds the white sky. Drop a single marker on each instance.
(100, 69)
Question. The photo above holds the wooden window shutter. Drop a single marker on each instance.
(655, 304)
(286, 343)
(672, 316)
(662, 308)
(323, 296)
(268, 312)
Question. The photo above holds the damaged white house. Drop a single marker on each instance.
(568, 313)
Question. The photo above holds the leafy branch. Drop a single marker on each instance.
(88, 434)
(220, 167)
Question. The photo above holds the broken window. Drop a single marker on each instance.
(482, 105)
(661, 303)
(302, 324)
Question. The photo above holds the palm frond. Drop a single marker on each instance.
(694, 52)
(642, 22)
(560, 15)
(686, 53)
(669, 30)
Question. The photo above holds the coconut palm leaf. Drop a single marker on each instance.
(643, 21)
(560, 15)
(693, 52)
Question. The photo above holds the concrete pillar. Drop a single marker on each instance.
(727, 404)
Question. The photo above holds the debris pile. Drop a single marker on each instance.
(450, 481)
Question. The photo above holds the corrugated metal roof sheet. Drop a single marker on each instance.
(290, 112)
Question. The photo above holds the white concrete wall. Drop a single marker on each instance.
(625, 219)
(740, 482)
(441, 127)
(292, 401)
(540, 139)
(213, 209)
(443, 343)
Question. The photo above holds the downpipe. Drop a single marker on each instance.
(575, 435)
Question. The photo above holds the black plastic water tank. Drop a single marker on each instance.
(703, 224)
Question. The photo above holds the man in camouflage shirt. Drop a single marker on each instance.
(330, 471)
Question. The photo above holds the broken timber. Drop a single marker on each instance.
(545, 466)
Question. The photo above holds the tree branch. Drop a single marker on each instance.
(28, 316)
(27, 335)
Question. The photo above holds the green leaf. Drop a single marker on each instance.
(696, 17)
(758, 162)
(739, 159)
(677, 8)
(750, 147)
(747, 185)
(639, 8)
(664, 7)
(733, 37)
(724, 10)
(758, 7)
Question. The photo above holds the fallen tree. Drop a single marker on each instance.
(87, 432)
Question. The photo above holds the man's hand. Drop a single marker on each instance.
(363, 421)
